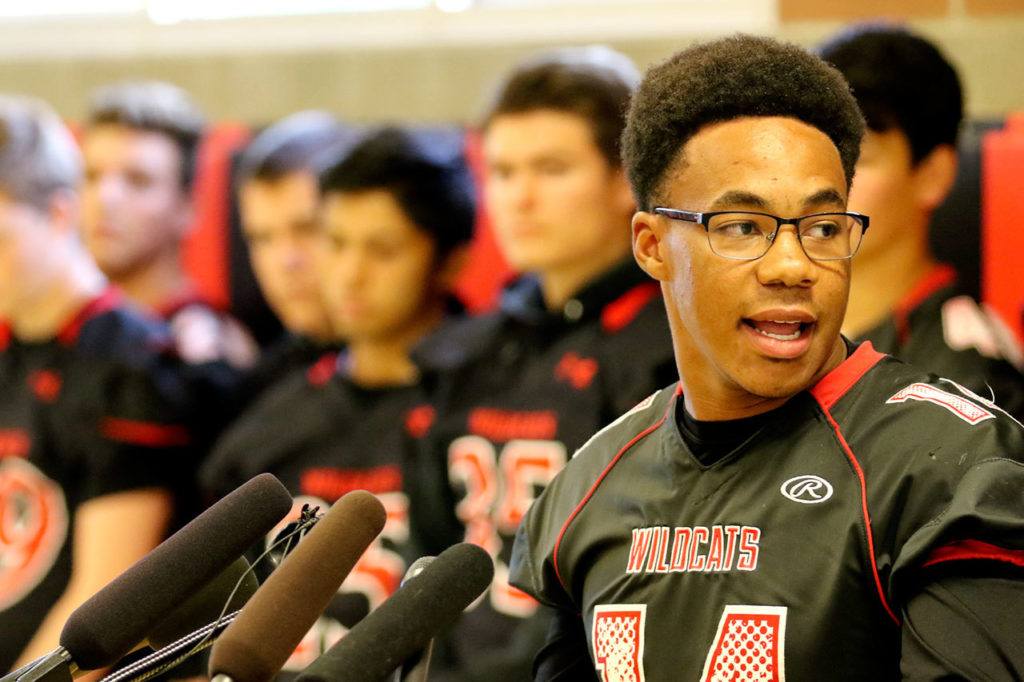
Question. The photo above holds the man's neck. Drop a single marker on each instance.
(155, 284)
(561, 284)
(878, 285)
(386, 361)
(59, 302)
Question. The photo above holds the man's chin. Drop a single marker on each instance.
(781, 381)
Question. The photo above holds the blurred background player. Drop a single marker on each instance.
(90, 442)
(579, 339)
(396, 213)
(902, 300)
(278, 198)
(140, 144)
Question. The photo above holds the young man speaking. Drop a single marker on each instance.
(797, 507)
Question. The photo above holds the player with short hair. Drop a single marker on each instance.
(91, 439)
(140, 145)
(901, 299)
(797, 507)
(278, 199)
(395, 216)
(578, 338)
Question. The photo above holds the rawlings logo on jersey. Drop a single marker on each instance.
(965, 409)
(697, 549)
(33, 527)
(807, 489)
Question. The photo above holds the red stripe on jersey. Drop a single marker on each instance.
(623, 310)
(106, 301)
(863, 506)
(143, 433)
(320, 372)
(836, 383)
(593, 489)
(936, 278)
(974, 550)
(5, 335)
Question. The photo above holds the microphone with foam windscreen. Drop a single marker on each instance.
(122, 614)
(193, 626)
(272, 624)
(406, 622)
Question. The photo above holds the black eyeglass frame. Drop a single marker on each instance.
(704, 219)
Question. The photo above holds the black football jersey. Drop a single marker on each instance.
(324, 436)
(513, 394)
(938, 328)
(791, 556)
(96, 410)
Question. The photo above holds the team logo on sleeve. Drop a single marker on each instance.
(33, 527)
(970, 411)
(749, 645)
(619, 641)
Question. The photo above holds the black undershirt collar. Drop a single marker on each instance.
(710, 441)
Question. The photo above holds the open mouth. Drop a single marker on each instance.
(780, 339)
(780, 330)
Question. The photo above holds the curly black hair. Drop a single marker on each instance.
(901, 81)
(731, 78)
(424, 170)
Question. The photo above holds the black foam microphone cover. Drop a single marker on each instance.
(272, 624)
(405, 623)
(114, 620)
(225, 594)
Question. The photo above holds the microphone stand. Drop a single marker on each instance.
(55, 666)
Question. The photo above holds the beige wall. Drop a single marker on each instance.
(433, 82)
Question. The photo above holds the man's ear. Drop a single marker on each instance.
(648, 236)
(934, 176)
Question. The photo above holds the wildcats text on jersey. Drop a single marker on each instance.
(696, 549)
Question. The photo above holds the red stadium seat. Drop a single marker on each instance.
(1002, 208)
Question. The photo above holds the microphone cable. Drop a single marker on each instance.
(204, 637)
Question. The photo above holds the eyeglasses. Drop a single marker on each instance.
(747, 235)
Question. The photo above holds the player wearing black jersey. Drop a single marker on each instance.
(577, 339)
(91, 445)
(140, 145)
(277, 199)
(901, 299)
(396, 213)
(796, 507)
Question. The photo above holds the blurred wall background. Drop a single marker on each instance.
(434, 61)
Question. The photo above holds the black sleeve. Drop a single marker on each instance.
(565, 657)
(966, 626)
